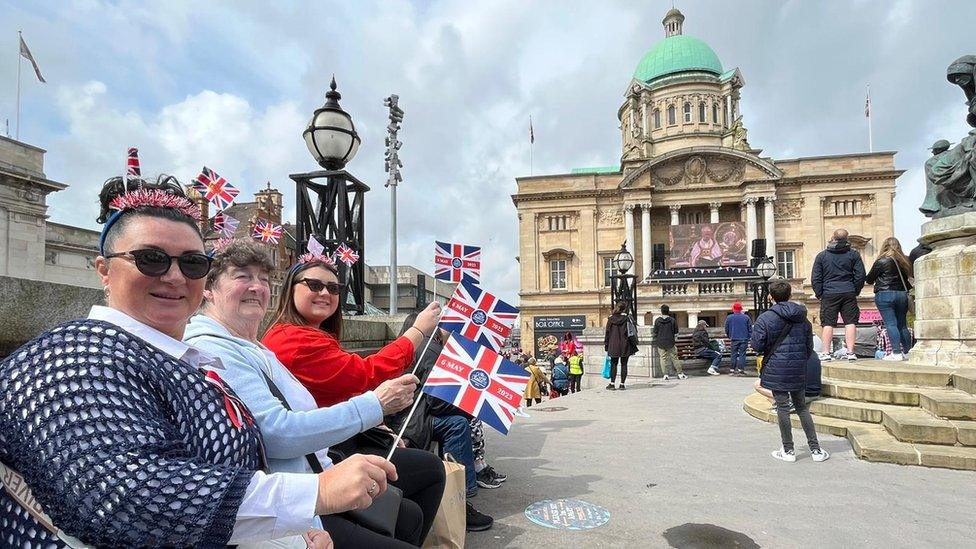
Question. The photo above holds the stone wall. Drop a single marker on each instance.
(31, 307)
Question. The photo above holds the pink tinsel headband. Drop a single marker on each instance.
(155, 198)
(309, 258)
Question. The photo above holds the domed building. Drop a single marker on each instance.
(693, 201)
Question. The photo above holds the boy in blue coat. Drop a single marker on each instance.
(784, 337)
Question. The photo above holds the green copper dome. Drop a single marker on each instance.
(674, 54)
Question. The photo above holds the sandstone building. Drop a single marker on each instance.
(686, 160)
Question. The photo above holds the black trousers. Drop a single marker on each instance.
(528, 402)
(623, 369)
(574, 382)
(421, 478)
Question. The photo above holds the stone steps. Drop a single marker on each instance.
(891, 373)
(907, 424)
(873, 442)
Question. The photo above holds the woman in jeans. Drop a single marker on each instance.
(890, 275)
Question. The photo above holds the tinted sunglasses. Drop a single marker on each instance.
(316, 285)
(193, 265)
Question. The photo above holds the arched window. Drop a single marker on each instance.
(714, 113)
(657, 119)
(701, 113)
(687, 111)
(671, 120)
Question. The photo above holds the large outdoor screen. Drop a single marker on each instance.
(708, 245)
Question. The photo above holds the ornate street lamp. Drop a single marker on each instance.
(765, 270)
(331, 136)
(330, 202)
(624, 285)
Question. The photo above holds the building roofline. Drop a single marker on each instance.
(829, 156)
(22, 144)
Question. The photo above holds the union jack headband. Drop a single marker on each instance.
(152, 198)
(309, 258)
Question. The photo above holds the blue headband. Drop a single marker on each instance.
(108, 225)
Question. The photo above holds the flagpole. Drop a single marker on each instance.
(870, 137)
(20, 40)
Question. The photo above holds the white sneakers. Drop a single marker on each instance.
(790, 456)
(820, 455)
(784, 455)
(825, 357)
(667, 377)
(713, 372)
(682, 376)
(851, 357)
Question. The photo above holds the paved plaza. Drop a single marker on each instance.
(679, 464)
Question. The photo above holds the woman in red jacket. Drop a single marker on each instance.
(306, 331)
(305, 338)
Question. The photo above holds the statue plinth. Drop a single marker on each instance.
(945, 294)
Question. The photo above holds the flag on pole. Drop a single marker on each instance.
(225, 224)
(314, 246)
(457, 262)
(478, 381)
(346, 255)
(867, 104)
(26, 54)
(216, 189)
(478, 315)
(132, 163)
(267, 232)
(531, 132)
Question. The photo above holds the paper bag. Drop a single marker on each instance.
(449, 526)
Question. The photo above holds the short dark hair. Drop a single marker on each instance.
(115, 186)
(780, 290)
(621, 307)
(665, 310)
(240, 253)
(287, 313)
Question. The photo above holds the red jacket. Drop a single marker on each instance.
(329, 373)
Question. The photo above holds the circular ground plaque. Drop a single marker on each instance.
(567, 514)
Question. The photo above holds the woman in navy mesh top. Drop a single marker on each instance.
(115, 433)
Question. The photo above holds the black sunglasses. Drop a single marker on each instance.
(150, 262)
(317, 285)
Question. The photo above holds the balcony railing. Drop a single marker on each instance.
(716, 288)
(674, 289)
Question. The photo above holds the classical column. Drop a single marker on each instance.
(769, 218)
(629, 228)
(715, 206)
(692, 319)
(674, 213)
(751, 228)
(645, 240)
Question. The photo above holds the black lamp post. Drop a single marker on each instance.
(331, 201)
(765, 270)
(624, 286)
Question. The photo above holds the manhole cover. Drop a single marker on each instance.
(567, 514)
(550, 409)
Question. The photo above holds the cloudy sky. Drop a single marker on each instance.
(233, 84)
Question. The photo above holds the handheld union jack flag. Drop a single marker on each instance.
(132, 163)
(457, 262)
(225, 224)
(478, 315)
(216, 189)
(267, 232)
(346, 255)
(478, 381)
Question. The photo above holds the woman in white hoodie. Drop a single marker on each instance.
(236, 298)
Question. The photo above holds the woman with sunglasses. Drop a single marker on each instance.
(305, 338)
(125, 436)
(236, 297)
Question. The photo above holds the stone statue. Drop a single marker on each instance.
(951, 173)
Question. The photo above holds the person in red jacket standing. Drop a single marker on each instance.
(306, 331)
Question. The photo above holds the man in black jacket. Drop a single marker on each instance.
(663, 335)
(837, 279)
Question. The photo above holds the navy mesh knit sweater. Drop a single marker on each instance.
(121, 444)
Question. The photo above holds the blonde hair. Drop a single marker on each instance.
(892, 248)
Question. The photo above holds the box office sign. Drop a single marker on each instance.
(550, 329)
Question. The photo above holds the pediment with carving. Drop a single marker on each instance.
(701, 167)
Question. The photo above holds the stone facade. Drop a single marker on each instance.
(695, 168)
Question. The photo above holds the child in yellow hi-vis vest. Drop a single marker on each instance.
(575, 372)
